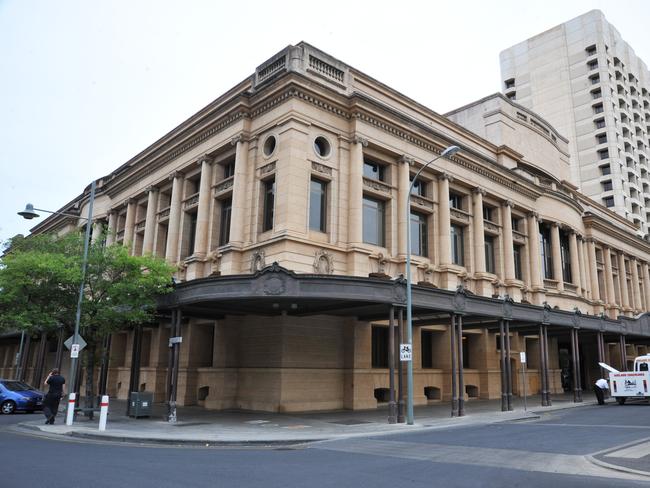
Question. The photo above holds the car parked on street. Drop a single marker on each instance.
(19, 396)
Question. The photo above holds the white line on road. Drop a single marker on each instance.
(632, 452)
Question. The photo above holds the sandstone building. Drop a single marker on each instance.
(284, 205)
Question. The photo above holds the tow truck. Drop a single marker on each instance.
(630, 384)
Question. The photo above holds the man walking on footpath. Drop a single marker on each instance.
(600, 388)
(52, 398)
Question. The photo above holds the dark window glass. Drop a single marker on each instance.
(487, 213)
(603, 154)
(229, 169)
(224, 226)
(192, 236)
(489, 254)
(318, 205)
(545, 248)
(373, 221)
(606, 170)
(608, 201)
(566, 258)
(601, 138)
(379, 347)
(269, 203)
(517, 250)
(456, 201)
(515, 222)
(427, 348)
(607, 185)
(419, 188)
(457, 245)
(419, 234)
(598, 108)
(600, 123)
(374, 170)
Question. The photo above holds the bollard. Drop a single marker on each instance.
(103, 413)
(70, 413)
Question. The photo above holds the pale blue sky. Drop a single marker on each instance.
(85, 85)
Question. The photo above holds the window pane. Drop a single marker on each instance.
(419, 234)
(317, 205)
(489, 254)
(224, 227)
(373, 170)
(269, 202)
(457, 245)
(373, 221)
(517, 256)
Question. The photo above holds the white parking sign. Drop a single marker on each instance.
(74, 351)
(405, 352)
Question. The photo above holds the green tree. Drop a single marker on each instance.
(39, 288)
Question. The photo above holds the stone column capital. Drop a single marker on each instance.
(360, 140)
(151, 189)
(555, 225)
(129, 201)
(236, 139)
(446, 176)
(175, 174)
(204, 158)
(533, 214)
(404, 158)
(508, 203)
(478, 191)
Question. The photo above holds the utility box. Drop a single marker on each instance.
(140, 404)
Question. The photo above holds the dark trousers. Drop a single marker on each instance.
(600, 395)
(51, 406)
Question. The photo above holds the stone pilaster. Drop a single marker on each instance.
(238, 215)
(609, 283)
(596, 293)
(646, 285)
(129, 225)
(636, 289)
(355, 192)
(403, 202)
(203, 211)
(150, 223)
(112, 227)
(173, 230)
(557, 256)
(622, 279)
(483, 283)
(536, 282)
(448, 277)
(585, 281)
(575, 262)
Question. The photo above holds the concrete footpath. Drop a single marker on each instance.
(200, 427)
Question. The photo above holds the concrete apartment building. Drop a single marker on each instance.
(588, 83)
(283, 203)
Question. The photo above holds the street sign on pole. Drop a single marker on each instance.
(405, 352)
(80, 342)
(522, 357)
(74, 351)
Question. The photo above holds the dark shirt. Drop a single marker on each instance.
(56, 383)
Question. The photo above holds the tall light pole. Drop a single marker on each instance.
(29, 213)
(409, 314)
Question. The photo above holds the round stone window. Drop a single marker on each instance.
(269, 145)
(322, 147)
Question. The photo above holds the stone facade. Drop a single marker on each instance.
(307, 164)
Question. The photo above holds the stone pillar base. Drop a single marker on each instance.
(448, 279)
(483, 285)
(230, 262)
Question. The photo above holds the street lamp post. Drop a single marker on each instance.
(29, 213)
(409, 314)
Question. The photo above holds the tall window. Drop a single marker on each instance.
(566, 258)
(545, 247)
(419, 234)
(192, 234)
(229, 168)
(489, 254)
(373, 170)
(427, 348)
(379, 347)
(517, 250)
(224, 224)
(457, 245)
(318, 205)
(418, 188)
(269, 203)
(456, 201)
(373, 221)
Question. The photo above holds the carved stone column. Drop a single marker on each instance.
(508, 247)
(129, 224)
(444, 224)
(593, 270)
(479, 230)
(585, 281)
(355, 192)
(557, 256)
(609, 281)
(150, 222)
(238, 218)
(203, 211)
(536, 282)
(575, 262)
(173, 230)
(622, 279)
(636, 289)
(403, 184)
(112, 228)
(646, 285)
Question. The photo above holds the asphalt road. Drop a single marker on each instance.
(549, 452)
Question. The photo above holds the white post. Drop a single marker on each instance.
(70, 413)
(103, 413)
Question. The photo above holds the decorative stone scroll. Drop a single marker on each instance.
(360, 140)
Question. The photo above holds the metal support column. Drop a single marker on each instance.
(134, 379)
(508, 366)
(454, 397)
(623, 353)
(542, 367)
(461, 377)
(549, 402)
(392, 406)
(400, 369)
(578, 368)
(172, 369)
(502, 351)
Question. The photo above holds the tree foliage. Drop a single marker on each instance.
(40, 278)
